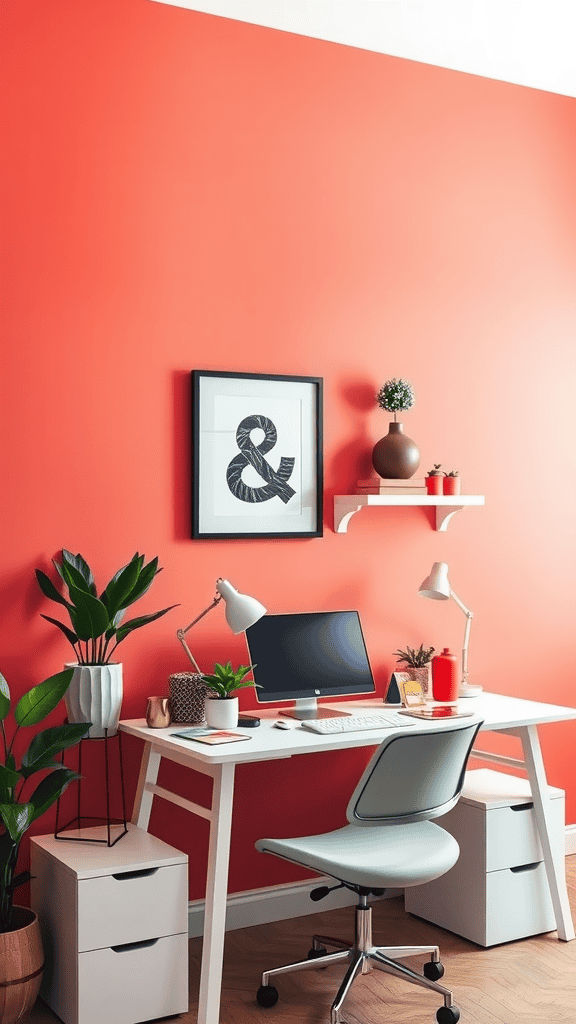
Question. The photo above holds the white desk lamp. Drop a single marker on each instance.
(241, 611)
(437, 587)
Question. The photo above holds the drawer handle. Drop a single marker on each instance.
(141, 873)
(127, 946)
(522, 807)
(525, 867)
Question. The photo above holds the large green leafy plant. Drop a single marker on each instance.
(97, 626)
(17, 812)
(225, 680)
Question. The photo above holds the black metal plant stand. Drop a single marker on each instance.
(80, 819)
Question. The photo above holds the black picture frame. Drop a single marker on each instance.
(262, 487)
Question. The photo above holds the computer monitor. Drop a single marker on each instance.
(307, 655)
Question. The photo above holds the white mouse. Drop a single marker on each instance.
(284, 723)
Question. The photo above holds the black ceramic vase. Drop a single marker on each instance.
(395, 456)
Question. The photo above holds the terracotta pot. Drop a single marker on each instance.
(395, 456)
(451, 484)
(21, 965)
(434, 484)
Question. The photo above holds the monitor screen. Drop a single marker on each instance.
(309, 655)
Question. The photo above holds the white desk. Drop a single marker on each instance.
(501, 714)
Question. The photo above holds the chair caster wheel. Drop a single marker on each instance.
(313, 953)
(448, 1015)
(433, 970)
(267, 995)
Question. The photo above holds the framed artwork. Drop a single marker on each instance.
(256, 455)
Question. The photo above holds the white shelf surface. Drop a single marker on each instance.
(346, 505)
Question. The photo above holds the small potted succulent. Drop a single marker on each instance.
(222, 684)
(395, 456)
(451, 482)
(417, 662)
(434, 480)
(95, 693)
(21, 957)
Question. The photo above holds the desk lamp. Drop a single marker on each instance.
(241, 611)
(437, 587)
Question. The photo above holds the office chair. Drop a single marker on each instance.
(415, 775)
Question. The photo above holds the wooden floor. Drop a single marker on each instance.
(532, 981)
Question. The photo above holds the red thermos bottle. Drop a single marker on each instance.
(445, 676)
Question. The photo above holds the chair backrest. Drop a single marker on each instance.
(415, 774)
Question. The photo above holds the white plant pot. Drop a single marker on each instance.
(222, 714)
(95, 695)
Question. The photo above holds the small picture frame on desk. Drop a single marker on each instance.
(411, 692)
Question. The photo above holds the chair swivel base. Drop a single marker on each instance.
(362, 957)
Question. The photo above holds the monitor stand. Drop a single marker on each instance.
(308, 707)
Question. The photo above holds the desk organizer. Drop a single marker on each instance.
(498, 890)
(114, 923)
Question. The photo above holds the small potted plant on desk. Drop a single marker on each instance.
(221, 706)
(21, 954)
(417, 664)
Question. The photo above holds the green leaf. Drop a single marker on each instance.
(45, 745)
(4, 698)
(132, 624)
(82, 566)
(16, 818)
(74, 578)
(117, 592)
(8, 779)
(48, 588)
(89, 616)
(35, 705)
(49, 789)
(65, 629)
(144, 581)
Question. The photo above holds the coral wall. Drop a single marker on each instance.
(183, 191)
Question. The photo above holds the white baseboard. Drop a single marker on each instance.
(282, 902)
(274, 903)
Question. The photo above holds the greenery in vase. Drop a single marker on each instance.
(418, 658)
(16, 811)
(395, 395)
(225, 680)
(97, 620)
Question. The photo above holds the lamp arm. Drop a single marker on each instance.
(469, 616)
(181, 633)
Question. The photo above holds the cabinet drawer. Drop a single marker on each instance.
(518, 903)
(512, 836)
(135, 983)
(128, 906)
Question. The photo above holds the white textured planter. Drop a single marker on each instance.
(95, 695)
(222, 714)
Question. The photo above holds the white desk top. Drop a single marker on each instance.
(267, 743)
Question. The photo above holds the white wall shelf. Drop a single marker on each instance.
(346, 505)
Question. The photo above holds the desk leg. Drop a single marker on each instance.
(216, 894)
(555, 868)
(149, 766)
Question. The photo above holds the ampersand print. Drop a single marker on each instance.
(253, 455)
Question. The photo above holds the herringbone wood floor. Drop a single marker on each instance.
(532, 981)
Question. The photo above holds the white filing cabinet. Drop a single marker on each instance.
(498, 890)
(114, 924)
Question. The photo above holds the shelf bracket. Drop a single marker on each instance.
(343, 513)
(444, 514)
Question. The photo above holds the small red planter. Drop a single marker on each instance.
(451, 484)
(434, 484)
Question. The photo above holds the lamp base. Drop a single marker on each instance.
(469, 690)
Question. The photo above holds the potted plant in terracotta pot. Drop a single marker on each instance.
(434, 480)
(395, 456)
(21, 954)
(417, 662)
(95, 693)
(451, 482)
(221, 705)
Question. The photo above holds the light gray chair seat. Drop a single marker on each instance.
(415, 775)
(374, 857)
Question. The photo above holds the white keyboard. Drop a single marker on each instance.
(356, 723)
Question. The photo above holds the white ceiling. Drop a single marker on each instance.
(528, 42)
